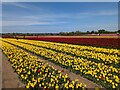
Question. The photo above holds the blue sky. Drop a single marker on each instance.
(44, 17)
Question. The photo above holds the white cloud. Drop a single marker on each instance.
(33, 19)
(56, 29)
(22, 5)
(101, 13)
(47, 23)
(54, 17)
(0, 24)
(21, 23)
(50, 19)
(95, 27)
(27, 23)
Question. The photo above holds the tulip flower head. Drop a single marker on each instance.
(38, 71)
(102, 77)
(62, 70)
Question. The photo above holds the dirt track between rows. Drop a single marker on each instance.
(9, 77)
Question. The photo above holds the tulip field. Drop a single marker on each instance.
(99, 41)
(97, 64)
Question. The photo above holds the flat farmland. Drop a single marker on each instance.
(112, 41)
(51, 65)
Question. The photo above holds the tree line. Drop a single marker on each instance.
(102, 31)
(73, 33)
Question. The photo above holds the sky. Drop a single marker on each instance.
(60, 0)
(54, 17)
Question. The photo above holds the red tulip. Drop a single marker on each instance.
(111, 42)
(38, 70)
(119, 71)
(62, 70)
(102, 77)
(46, 89)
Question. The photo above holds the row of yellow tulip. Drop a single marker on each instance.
(76, 47)
(36, 74)
(98, 56)
(108, 76)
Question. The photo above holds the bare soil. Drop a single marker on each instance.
(9, 77)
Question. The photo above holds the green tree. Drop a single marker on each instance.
(118, 31)
(92, 32)
(101, 31)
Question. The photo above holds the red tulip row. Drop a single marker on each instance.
(103, 42)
